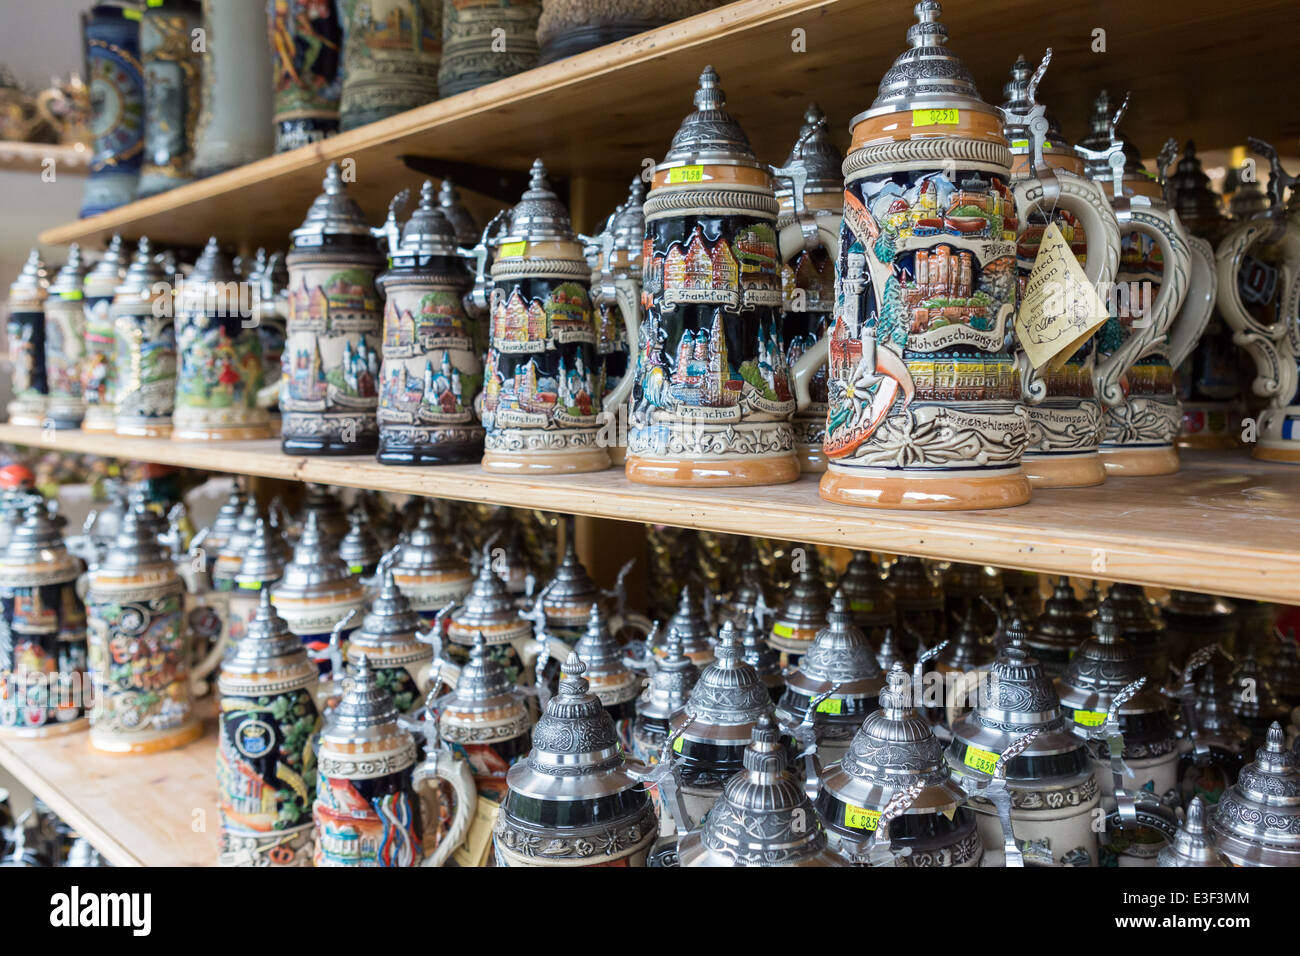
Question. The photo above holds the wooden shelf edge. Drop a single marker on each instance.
(31, 157)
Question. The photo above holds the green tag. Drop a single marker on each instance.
(861, 605)
(980, 760)
(859, 818)
(831, 705)
(677, 744)
(1089, 718)
(686, 174)
(355, 568)
(1024, 144)
(251, 585)
(71, 294)
(155, 3)
(511, 249)
(131, 14)
(782, 630)
(935, 117)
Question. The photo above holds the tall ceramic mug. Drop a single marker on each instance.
(1274, 346)
(713, 395)
(924, 397)
(25, 329)
(235, 118)
(99, 362)
(144, 335)
(1064, 415)
(65, 343)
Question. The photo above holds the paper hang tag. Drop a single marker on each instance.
(478, 841)
(1060, 309)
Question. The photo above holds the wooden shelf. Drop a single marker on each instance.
(149, 810)
(1226, 524)
(1208, 70)
(31, 157)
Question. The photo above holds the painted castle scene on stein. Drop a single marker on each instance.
(427, 348)
(325, 364)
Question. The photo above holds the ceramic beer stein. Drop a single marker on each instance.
(99, 362)
(870, 603)
(360, 548)
(803, 613)
(220, 392)
(763, 657)
(763, 818)
(264, 559)
(1064, 417)
(65, 336)
(1270, 244)
(1193, 621)
(334, 324)
(138, 647)
(390, 58)
(26, 334)
(1053, 790)
(235, 124)
(317, 595)
(144, 334)
(112, 38)
(1059, 630)
(1140, 345)
(307, 70)
(895, 749)
(572, 801)
(486, 40)
(570, 27)
(924, 397)
(172, 89)
(691, 626)
(1257, 822)
(1141, 625)
(431, 374)
(541, 393)
(428, 569)
(714, 395)
(391, 639)
(44, 687)
(489, 611)
(840, 668)
(918, 603)
(269, 713)
(664, 696)
(614, 684)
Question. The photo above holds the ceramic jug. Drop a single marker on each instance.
(1140, 345)
(390, 58)
(714, 395)
(268, 715)
(329, 391)
(541, 393)
(306, 69)
(172, 89)
(1258, 266)
(138, 647)
(1064, 415)
(144, 335)
(25, 330)
(220, 392)
(44, 687)
(486, 40)
(99, 363)
(317, 595)
(431, 375)
(924, 397)
(112, 39)
(392, 639)
(235, 125)
(65, 343)
(427, 567)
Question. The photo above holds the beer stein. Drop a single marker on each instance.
(1193, 621)
(489, 611)
(663, 698)
(334, 324)
(1253, 700)
(1053, 790)
(541, 393)
(1142, 627)
(144, 335)
(573, 801)
(317, 595)
(307, 70)
(763, 817)
(1215, 743)
(269, 713)
(763, 657)
(235, 126)
(924, 398)
(268, 278)
(139, 650)
(330, 516)
(230, 552)
(111, 33)
(99, 362)
(714, 395)
(431, 374)
(1140, 345)
(975, 590)
(486, 40)
(802, 614)
(1257, 822)
(390, 58)
(838, 678)
(427, 567)
(360, 548)
(918, 603)
(690, 624)
(44, 686)
(262, 566)
(1065, 417)
(172, 89)
(398, 651)
(894, 751)
(1262, 306)
(1194, 844)
(870, 603)
(567, 598)
(461, 219)
(614, 685)
(26, 335)
(65, 343)
(1062, 627)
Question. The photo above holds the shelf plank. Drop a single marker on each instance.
(1206, 72)
(32, 157)
(1226, 524)
(135, 810)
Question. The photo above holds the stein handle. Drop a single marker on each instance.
(440, 670)
(802, 371)
(531, 648)
(1168, 235)
(790, 241)
(216, 653)
(443, 765)
(268, 394)
(627, 293)
(1202, 289)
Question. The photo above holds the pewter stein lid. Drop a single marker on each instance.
(628, 223)
(572, 586)
(1018, 104)
(710, 135)
(35, 540)
(427, 233)
(332, 213)
(729, 692)
(691, 625)
(71, 276)
(894, 749)
(839, 654)
(1013, 629)
(1098, 141)
(607, 676)
(111, 265)
(265, 556)
(489, 602)
(1065, 620)
(1253, 698)
(670, 683)
(316, 568)
(1191, 194)
(359, 548)
(760, 655)
(1193, 844)
(227, 519)
(231, 554)
(267, 646)
(927, 75)
(390, 621)
(142, 274)
(576, 753)
(539, 216)
(764, 816)
(864, 589)
(212, 265)
(1257, 821)
(814, 152)
(485, 707)
(462, 222)
(137, 545)
(1214, 714)
(425, 549)
(889, 652)
(806, 603)
(910, 580)
(328, 508)
(967, 649)
(33, 281)
(366, 713)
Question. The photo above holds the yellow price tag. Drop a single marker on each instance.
(131, 14)
(831, 705)
(70, 294)
(782, 630)
(860, 818)
(686, 174)
(1089, 718)
(1024, 144)
(935, 117)
(355, 568)
(677, 744)
(980, 760)
(251, 585)
(512, 249)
